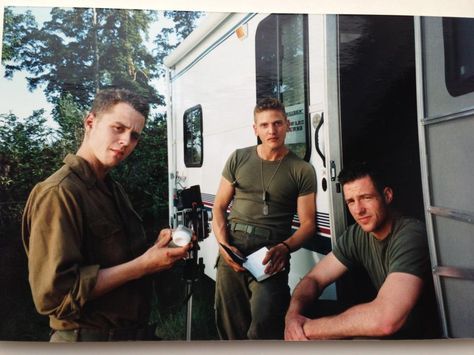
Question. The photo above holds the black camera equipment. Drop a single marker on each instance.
(191, 213)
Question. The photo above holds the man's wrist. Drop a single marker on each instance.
(287, 246)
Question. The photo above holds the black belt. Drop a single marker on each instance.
(250, 229)
(94, 334)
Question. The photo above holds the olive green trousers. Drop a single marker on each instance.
(245, 308)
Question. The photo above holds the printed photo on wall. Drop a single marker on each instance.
(151, 160)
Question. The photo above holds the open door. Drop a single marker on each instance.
(445, 85)
(372, 116)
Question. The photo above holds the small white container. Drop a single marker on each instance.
(181, 236)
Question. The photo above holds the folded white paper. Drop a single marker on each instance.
(254, 264)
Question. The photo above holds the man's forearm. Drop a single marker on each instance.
(219, 226)
(115, 276)
(156, 258)
(363, 320)
(304, 295)
(297, 239)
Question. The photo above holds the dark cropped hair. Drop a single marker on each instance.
(107, 98)
(269, 103)
(358, 170)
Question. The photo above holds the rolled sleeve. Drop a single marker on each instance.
(60, 283)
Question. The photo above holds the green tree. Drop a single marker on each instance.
(81, 50)
(16, 33)
(69, 115)
(170, 37)
(26, 156)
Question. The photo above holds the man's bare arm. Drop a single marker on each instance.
(224, 195)
(156, 258)
(306, 210)
(382, 317)
(307, 291)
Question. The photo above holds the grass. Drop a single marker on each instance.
(169, 310)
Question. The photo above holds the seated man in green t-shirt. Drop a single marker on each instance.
(394, 252)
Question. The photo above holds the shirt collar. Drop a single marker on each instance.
(81, 168)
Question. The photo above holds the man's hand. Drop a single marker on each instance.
(159, 257)
(164, 238)
(236, 267)
(294, 324)
(156, 258)
(276, 259)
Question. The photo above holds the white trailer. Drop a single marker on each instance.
(395, 89)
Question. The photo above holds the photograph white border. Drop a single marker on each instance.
(451, 8)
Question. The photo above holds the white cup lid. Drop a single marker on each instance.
(181, 236)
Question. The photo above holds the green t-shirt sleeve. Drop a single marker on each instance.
(307, 180)
(409, 252)
(230, 167)
(345, 250)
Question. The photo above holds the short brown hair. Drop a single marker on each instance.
(107, 98)
(269, 103)
(360, 169)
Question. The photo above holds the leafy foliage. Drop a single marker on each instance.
(69, 114)
(16, 33)
(26, 157)
(82, 50)
(170, 37)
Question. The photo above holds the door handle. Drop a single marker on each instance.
(318, 121)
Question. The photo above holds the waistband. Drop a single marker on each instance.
(250, 229)
(94, 334)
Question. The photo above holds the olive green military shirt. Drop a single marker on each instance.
(74, 225)
(405, 250)
(284, 181)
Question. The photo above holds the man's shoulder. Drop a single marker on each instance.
(244, 151)
(298, 164)
(62, 179)
(409, 225)
(242, 154)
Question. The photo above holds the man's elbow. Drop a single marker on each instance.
(67, 309)
(309, 226)
(387, 325)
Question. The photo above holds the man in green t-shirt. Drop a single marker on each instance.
(393, 250)
(267, 185)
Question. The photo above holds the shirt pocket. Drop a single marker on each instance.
(109, 244)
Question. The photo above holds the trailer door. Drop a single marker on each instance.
(445, 85)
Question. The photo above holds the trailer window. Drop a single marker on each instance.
(281, 72)
(459, 55)
(193, 140)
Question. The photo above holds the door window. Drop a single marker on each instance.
(458, 36)
(281, 72)
(193, 139)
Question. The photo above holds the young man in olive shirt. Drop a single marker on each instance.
(393, 250)
(87, 252)
(268, 185)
